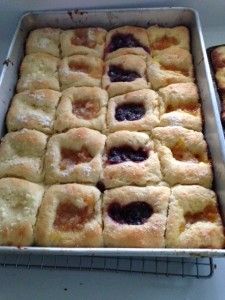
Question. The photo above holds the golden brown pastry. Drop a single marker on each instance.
(183, 156)
(19, 203)
(218, 62)
(126, 40)
(124, 74)
(82, 107)
(161, 38)
(22, 154)
(193, 220)
(33, 110)
(171, 65)
(80, 70)
(85, 41)
(38, 71)
(70, 216)
(135, 216)
(180, 106)
(44, 40)
(130, 159)
(138, 110)
(74, 156)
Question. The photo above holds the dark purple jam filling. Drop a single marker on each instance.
(118, 155)
(134, 213)
(100, 185)
(129, 112)
(117, 74)
(121, 40)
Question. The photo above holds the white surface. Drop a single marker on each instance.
(35, 284)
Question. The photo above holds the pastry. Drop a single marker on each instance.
(161, 38)
(33, 110)
(171, 65)
(193, 220)
(74, 156)
(124, 74)
(44, 40)
(38, 71)
(130, 159)
(218, 62)
(138, 110)
(183, 156)
(70, 216)
(80, 70)
(180, 106)
(22, 154)
(19, 203)
(86, 41)
(135, 216)
(82, 107)
(126, 40)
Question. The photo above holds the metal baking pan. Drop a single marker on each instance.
(106, 18)
(218, 93)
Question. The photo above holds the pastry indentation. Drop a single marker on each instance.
(69, 217)
(85, 109)
(208, 214)
(121, 154)
(164, 42)
(82, 38)
(121, 40)
(129, 111)
(117, 74)
(134, 213)
(70, 157)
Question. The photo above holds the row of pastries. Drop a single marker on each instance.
(105, 145)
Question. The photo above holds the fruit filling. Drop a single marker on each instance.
(134, 213)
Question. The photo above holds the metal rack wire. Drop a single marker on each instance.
(184, 267)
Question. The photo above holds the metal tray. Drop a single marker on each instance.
(108, 19)
(218, 93)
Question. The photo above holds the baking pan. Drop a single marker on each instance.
(108, 19)
(218, 93)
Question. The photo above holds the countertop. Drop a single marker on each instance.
(54, 284)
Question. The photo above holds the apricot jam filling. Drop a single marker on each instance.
(69, 217)
(70, 157)
(85, 109)
(164, 42)
(82, 38)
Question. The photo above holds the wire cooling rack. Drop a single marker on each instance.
(184, 267)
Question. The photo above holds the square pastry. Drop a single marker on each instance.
(171, 65)
(74, 156)
(130, 159)
(80, 70)
(161, 38)
(38, 71)
(124, 74)
(126, 40)
(193, 220)
(33, 110)
(135, 216)
(180, 106)
(22, 154)
(82, 107)
(44, 40)
(19, 203)
(70, 216)
(84, 41)
(183, 156)
(220, 78)
(138, 110)
(218, 57)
